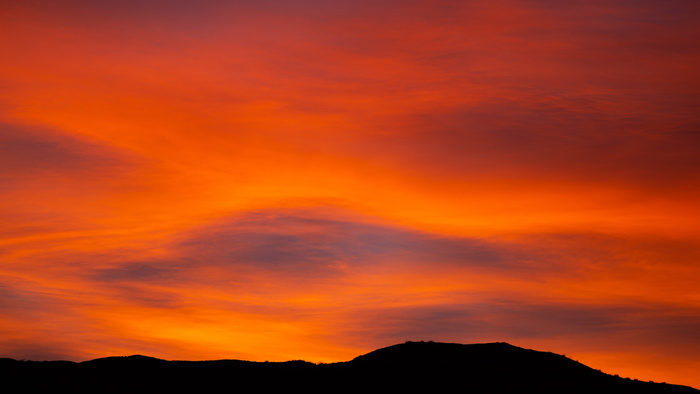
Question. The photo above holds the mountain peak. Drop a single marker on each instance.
(442, 351)
(135, 359)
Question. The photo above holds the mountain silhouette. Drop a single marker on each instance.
(411, 366)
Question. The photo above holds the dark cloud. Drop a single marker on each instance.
(30, 152)
(295, 245)
(16, 299)
(291, 242)
(259, 252)
(564, 139)
(135, 272)
(151, 284)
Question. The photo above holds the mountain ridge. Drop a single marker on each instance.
(481, 368)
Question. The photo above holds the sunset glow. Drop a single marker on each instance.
(276, 180)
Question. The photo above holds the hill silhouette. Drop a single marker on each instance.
(414, 366)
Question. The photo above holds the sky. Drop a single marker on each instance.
(278, 180)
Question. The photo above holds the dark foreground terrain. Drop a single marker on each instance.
(409, 367)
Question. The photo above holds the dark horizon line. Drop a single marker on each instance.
(425, 363)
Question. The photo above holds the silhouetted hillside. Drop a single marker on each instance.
(412, 366)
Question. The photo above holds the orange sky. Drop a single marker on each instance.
(274, 180)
